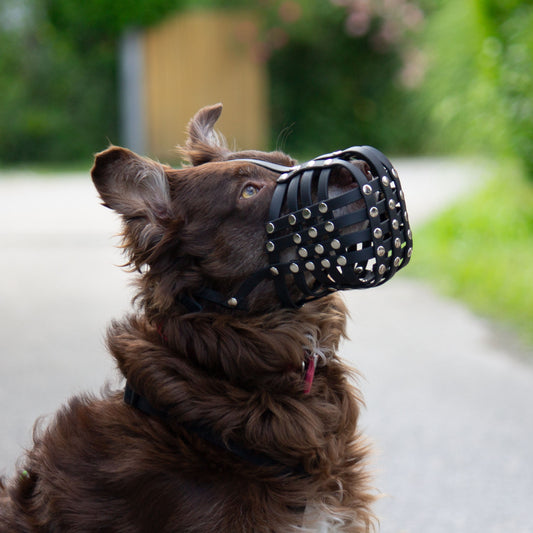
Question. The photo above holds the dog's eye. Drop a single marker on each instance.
(249, 191)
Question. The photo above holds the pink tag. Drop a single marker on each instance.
(310, 373)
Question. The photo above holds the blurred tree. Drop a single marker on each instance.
(480, 79)
(341, 72)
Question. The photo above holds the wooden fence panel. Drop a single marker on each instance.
(201, 58)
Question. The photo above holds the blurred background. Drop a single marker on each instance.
(443, 87)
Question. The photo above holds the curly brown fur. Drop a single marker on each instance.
(102, 465)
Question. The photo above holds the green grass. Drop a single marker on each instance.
(481, 251)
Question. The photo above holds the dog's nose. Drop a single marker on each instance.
(342, 178)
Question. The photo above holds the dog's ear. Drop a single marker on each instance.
(136, 188)
(204, 144)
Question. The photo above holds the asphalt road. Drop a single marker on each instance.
(449, 396)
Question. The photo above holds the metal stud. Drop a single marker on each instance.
(395, 224)
(292, 219)
(335, 244)
(270, 246)
(382, 269)
(302, 252)
(325, 263)
(373, 212)
(357, 269)
(274, 271)
(392, 204)
(306, 213)
(381, 251)
(409, 234)
(297, 238)
(329, 226)
(394, 173)
(312, 232)
(367, 189)
(270, 228)
(323, 207)
(409, 252)
(385, 180)
(402, 195)
(232, 302)
(319, 249)
(397, 262)
(342, 261)
(283, 177)
(378, 233)
(310, 266)
(397, 242)
(294, 268)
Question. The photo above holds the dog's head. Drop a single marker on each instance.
(204, 232)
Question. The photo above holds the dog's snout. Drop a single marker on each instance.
(364, 166)
(342, 178)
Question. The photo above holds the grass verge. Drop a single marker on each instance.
(481, 251)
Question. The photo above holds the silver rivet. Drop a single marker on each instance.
(302, 252)
(385, 181)
(306, 213)
(319, 249)
(297, 238)
(270, 227)
(329, 226)
(358, 269)
(397, 262)
(394, 172)
(335, 244)
(310, 266)
(294, 268)
(409, 234)
(381, 251)
(373, 212)
(397, 243)
(325, 263)
(323, 207)
(392, 204)
(270, 246)
(395, 224)
(402, 195)
(292, 219)
(342, 261)
(312, 232)
(378, 233)
(233, 302)
(367, 189)
(382, 269)
(274, 271)
(409, 252)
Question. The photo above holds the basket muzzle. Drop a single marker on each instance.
(332, 226)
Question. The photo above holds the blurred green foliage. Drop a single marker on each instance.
(58, 75)
(481, 251)
(478, 88)
(404, 75)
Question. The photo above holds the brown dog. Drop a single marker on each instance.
(223, 432)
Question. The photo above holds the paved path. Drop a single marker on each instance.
(449, 399)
